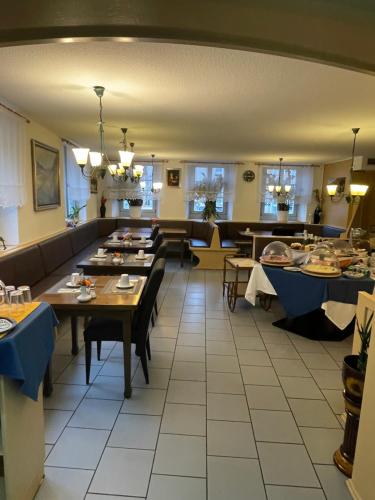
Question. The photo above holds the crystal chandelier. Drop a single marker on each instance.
(356, 191)
(99, 161)
(279, 189)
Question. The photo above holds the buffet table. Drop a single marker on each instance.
(304, 296)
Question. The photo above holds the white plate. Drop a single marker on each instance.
(100, 256)
(292, 268)
(141, 258)
(124, 287)
(70, 285)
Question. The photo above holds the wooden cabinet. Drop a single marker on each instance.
(21, 442)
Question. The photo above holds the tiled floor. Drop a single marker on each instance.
(236, 409)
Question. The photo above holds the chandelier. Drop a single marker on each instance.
(356, 191)
(99, 161)
(279, 189)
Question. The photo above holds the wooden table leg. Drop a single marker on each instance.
(127, 345)
(182, 251)
(73, 323)
(48, 385)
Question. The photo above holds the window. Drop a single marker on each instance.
(149, 206)
(268, 209)
(209, 174)
(77, 187)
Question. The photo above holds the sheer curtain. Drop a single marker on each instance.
(77, 186)
(13, 145)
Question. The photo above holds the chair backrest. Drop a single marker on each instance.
(156, 244)
(155, 231)
(142, 316)
(160, 253)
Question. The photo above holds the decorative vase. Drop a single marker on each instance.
(135, 212)
(103, 210)
(317, 215)
(353, 381)
(282, 215)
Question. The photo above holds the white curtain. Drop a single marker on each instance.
(13, 144)
(229, 181)
(77, 186)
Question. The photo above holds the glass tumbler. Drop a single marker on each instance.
(16, 301)
(25, 289)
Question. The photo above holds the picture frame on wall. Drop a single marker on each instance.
(173, 177)
(93, 185)
(46, 176)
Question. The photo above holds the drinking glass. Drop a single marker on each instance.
(16, 301)
(25, 289)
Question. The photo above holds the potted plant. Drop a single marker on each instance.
(103, 208)
(74, 213)
(135, 207)
(208, 191)
(353, 376)
(282, 208)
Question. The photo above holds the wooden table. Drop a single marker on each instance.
(136, 232)
(176, 233)
(120, 246)
(130, 265)
(254, 233)
(108, 303)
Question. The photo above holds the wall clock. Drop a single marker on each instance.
(248, 176)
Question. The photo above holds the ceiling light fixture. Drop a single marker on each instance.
(279, 188)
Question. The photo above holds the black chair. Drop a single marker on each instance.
(156, 244)
(155, 231)
(283, 231)
(107, 329)
(161, 253)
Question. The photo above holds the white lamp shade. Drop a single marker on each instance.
(142, 184)
(358, 189)
(331, 189)
(138, 170)
(120, 169)
(271, 187)
(278, 189)
(287, 188)
(126, 158)
(112, 169)
(157, 186)
(95, 158)
(81, 155)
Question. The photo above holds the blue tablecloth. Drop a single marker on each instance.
(26, 351)
(300, 294)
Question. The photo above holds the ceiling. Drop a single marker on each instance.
(193, 103)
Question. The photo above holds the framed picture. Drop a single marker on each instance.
(93, 185)
(46, 176)
(173, 177)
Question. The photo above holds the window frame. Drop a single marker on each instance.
(197, 214)
(263, 215)
(124, 210)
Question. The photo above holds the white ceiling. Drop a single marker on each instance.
(190, 102)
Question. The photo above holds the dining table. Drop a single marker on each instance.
(136, 232)
(127, 245)
(176, 233)
(131, 264)
(107, 301)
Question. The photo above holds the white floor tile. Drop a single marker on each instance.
(107, 388)
(145, 401)
(333, 482)
(225, 383)
(282, 351)
(162, 344)
(245, 331)
(76, 374)
(313, 413)
(335, 400)
(184, 419)
(167, 321)
(296, 470)
(321, 443)
(300, 387)
(220, 347)
(96, 414)
(251, 343)
(290, 368)
(191, 339)
(54, 423)
(261, 397)
(187, 370)
(275, 426)
(161, 359)
(254, 358)
(194, 328)
(88, 445)
(227, 407)
(188, 392)
(259, 375)
(123, 472)
(135, 431)
(64, 484)
(176, 488)
(186, 353)
(160, 331)
(228, 364)
(178, 455)
(158, 378)
(292, 493)
(328, 379)
(65, 397)
(318, 361)
(230, 439)
(234, 478)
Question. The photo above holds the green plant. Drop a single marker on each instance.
(209, 210)
(135, 202)
(75, 210)
(365, 334)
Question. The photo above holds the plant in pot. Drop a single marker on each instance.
(135, 207)
(73, 215)
(207, 192)
(282, 208)
(103, 208)
(353, 376)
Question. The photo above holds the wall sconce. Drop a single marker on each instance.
(332, 190)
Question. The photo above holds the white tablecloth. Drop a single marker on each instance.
(340, 313)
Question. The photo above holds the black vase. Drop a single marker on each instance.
(103, 210)
(317, 215)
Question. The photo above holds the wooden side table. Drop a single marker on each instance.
(235, 286)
